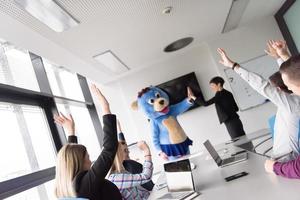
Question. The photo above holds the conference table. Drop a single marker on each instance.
(258, 184)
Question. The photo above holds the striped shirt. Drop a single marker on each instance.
(130, 184)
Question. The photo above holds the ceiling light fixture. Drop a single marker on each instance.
(178, 44)
(167, 10)
(50, 13)
(235, 14)
(112, 62)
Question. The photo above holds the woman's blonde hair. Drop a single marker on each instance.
(117, 166)
(70, 161)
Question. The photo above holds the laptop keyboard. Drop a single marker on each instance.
(176, 195)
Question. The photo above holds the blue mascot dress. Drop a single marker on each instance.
(167, 134)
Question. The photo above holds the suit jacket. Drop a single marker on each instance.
(225, 104)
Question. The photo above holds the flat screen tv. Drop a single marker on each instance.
(176, 88)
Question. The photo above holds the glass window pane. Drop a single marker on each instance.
(25, 137)
(84, 128)
(16, 68)
(291, 18)
(62, 82)
(44, 192)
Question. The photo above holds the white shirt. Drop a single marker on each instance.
(286, 128)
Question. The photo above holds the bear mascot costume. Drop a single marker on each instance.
(168, 137)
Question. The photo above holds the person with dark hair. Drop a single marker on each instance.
(226, 107)
(277, 81)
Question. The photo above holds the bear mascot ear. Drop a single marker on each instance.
(134, 105)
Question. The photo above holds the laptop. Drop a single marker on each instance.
(227, 161)
(179, 181)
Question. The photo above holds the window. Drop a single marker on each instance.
(29, 138)
(44, 192)
(16, 68)
(291, 18)
(63, 83)
(25, 142)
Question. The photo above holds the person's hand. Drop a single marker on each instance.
(271, 51)
(281, 49)
(190, 94)
(66, 122)
(144, 147)
(224, 58)
(163, 156)
(102, 100)
(269, 166)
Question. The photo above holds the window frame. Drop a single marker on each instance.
(279, 16)
(47, 101)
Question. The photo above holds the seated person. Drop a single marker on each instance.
(289, 169)
(75, 174)
(130, 184)
(132, 166)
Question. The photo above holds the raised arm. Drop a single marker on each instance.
(125, 180)
(69, 126)
(199, 100)
(103, 163)
(281, 49)
(261, 85)
(182, 106)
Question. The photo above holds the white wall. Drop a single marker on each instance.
(201, 123)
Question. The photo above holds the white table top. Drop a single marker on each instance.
(209, 180)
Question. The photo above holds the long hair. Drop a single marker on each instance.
(70, 160)
(117, 166)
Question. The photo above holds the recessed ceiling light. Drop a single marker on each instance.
(178, 44)
(235, 14)
(112, 62)
(50, 13)
(167, 10)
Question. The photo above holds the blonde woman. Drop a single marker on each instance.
(130, 184)
(75, 174)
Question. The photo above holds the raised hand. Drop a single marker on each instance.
(271, 51)
(225, 60)
(102, 100)
(66, 122)
(281, 49)
(190, 94)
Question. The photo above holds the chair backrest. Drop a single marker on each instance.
(271, 124)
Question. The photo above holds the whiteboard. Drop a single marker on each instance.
(245, 96)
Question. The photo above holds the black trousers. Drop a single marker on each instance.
(234, 127)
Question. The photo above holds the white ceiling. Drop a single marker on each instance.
(136, 30)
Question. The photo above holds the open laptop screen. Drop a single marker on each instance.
(212, 151)
(179, 176)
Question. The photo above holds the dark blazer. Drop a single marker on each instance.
(136, 168)
(225, 105)
(92, 184)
